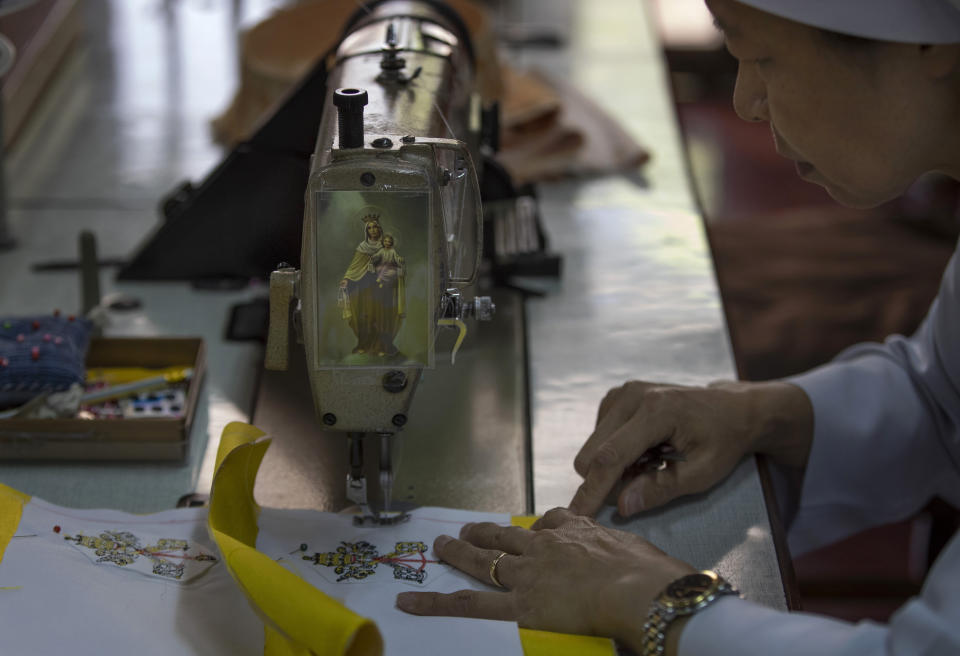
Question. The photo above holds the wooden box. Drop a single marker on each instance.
(114, 439)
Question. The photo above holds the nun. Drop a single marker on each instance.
(863, 96)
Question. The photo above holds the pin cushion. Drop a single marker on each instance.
(41, 354)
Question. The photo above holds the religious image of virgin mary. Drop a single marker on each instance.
(371, 294)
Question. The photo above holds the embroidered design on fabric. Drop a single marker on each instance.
(169, 556)
(359, 560)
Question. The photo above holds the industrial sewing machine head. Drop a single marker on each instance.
(392, 228)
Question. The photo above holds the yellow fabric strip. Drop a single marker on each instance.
(548, 643)
(299, 618)
(11, 509)
(233, 509)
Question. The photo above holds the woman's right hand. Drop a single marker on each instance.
(343, 284)
(712, 427)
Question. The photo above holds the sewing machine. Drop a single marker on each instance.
(392, 231)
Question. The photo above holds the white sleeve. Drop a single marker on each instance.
(886, 428)
(928, 625)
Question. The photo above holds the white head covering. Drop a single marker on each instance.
(906, 21)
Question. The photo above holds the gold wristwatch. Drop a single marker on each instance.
(683, 597)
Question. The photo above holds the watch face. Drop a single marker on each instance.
(690, 590)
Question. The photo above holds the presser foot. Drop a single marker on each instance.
(369, 518)
(365, 515)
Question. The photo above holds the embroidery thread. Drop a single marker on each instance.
(359, 560)
(122, 548)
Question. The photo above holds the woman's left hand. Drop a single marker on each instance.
(568, 574)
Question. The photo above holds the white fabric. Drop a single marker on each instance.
(58, 596)
(373, 593)
(907, 21)
(55, 600)
(886, 439)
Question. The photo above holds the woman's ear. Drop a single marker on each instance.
(940, 60)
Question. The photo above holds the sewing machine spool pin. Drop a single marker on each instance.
(350, 103)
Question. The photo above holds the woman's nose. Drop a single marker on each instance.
(750, 95)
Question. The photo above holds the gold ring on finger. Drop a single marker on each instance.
(493, 570)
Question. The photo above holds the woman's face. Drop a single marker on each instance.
(373, 232)
(846, 114)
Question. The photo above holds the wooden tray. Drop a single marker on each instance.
(114, 439)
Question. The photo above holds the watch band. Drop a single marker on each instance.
(685, 596)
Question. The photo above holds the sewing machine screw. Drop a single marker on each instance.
(408, 139)
(367, 179)
(394, 382)
(381, 142)
(399, 420)
(329, 419)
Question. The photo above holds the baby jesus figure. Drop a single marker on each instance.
(388, 263)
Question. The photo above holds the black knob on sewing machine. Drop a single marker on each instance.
(350, 104)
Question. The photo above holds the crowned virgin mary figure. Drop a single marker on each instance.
(361, 295)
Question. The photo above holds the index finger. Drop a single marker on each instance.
(620, 451)
(608, 420)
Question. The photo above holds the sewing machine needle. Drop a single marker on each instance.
(386, 470)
